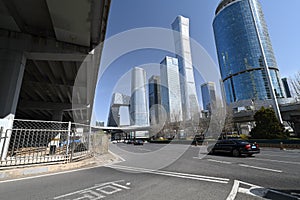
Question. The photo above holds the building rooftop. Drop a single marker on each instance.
(223, 4)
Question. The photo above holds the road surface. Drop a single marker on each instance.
(153, 171)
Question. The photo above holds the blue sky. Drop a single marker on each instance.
(282, 19)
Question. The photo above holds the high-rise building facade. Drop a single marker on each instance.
(246, 58)
(170, 89)
(286, 87)
(189, 97)
(154, 99)
(208, 91)
(118, 100)
(138, 108)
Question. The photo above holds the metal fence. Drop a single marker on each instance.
(32, 142)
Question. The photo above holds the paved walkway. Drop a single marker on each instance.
(27, 171)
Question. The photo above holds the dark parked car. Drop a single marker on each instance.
(138, 142)
(235, 147)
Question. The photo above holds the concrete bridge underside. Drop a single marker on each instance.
(48, 63)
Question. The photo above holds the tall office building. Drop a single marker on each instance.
(189, 97)
(286, 87)
(208, 91)
(170, 89)
(246, 58)
(118, 100)
(154, 99)
(138, 108)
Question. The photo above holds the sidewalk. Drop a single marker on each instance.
(27, 171)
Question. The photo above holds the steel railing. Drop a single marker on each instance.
(33, 142)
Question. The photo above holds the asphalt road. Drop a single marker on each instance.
(155, 171)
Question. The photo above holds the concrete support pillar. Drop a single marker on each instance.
(12, 66)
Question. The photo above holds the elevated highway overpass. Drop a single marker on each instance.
(48, 60)
(289, 112)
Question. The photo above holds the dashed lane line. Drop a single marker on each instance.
(219, 161)
(279, 161)
(254, 167)
(261, 168)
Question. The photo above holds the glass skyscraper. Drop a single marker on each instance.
(244, 51)
(286, 87)
(189, 97)
(154, 99)
(138, 103)
(208, 91)
(170, 89)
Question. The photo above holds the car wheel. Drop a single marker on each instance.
(235, 152)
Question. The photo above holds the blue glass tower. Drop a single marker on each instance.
(154, 99)
(208, 95)
(246, 58)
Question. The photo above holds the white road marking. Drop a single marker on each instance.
(261, 193)
(173, 174)
(116, 155)
(236, 188)
(142, 149)
(295, 194)
(280, 161)
(233, 191)
(219, 161)
(96, 192)
(196, 175)
(261, 168)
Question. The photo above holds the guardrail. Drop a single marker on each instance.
(33, 142)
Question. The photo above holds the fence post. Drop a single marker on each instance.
(89, 139)
(72, 145)
(3, 138)
(7, 124)
(68, 139)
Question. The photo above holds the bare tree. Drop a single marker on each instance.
(203, 125)
(217, 116)
(229, 123)
(295, 82)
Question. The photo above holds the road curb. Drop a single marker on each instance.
(101, 160)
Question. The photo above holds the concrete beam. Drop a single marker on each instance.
(30, 43)
(76, 57)
(40, 105)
